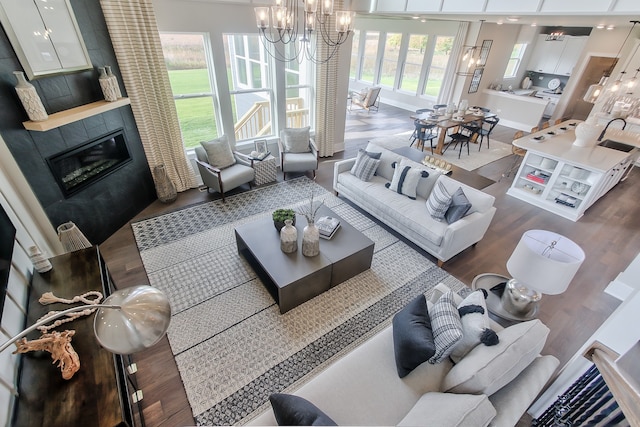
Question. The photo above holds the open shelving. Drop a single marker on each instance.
(74, 114)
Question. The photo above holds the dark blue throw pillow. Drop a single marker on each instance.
(412, 337)
(291, 410)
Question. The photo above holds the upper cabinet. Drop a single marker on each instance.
(558, 56)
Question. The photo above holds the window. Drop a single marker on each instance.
(435, 76)
(413, 63)
(299, 78)
(355, 49)
(514, 61)
(189, 65)
(249, 86)
(390, 59)
(369, 59)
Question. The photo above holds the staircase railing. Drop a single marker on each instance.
(256, 122)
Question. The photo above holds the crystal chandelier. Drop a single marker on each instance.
(303, 28)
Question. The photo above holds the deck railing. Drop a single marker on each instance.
(256, 122)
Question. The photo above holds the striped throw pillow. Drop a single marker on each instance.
(446, 326)
(405, 179)
(365, 166)
(439, 201)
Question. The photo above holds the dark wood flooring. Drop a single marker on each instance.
(608, 233)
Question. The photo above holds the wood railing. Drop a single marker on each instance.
(256, 121)
(621, 375)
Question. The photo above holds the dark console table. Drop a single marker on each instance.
(98, 394)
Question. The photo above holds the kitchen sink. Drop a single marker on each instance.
(608, 143)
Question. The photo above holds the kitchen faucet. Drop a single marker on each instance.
(607, 126)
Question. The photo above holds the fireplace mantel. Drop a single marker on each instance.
(74, 114)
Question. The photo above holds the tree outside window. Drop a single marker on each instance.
(515, 59)
(439, 61)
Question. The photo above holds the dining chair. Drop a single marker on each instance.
(424, 110)
(518, 154)
(558, 121)
(534, 129)
(422, 133)
(545, 124)
(483, 109)
(485, 129)
(462, 136)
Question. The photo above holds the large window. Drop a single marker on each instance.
(355, 55)
(514, 60)
(438, 66)
(413, 62)
(189, 64)
(390, 59)
(369, 58)
(299, 88)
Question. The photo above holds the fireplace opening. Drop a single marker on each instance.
(79, 167)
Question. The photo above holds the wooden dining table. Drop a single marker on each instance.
(445, 124)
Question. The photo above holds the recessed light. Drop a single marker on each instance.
(534, 25)
(423, 20)
(499, 22)
(415, 17)
(610, 27)
(513, 18)
(601, 26)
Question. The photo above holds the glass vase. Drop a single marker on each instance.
(288, 237)
(30, 99)
(310, 240)
(165, 189)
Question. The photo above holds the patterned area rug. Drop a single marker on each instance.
(471, 161)
(232, 346)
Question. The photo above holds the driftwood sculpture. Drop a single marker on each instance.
(59, 345)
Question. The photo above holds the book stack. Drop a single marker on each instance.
(327, 226)
(538, 177)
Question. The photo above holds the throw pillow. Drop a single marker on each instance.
(412, 338)
(365, 166)
(372, 154)
(438, 202)
(291, 410)
(405, 179)
(459, 207)
(476, 327)
(296, 140)
(445, 325)
(219, 152)
(485, 370)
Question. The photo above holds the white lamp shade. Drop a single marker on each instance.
(543, 266)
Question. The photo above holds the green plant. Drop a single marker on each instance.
(280, 215)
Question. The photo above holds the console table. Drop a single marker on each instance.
(97, 395)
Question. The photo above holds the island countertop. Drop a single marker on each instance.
(559, 145)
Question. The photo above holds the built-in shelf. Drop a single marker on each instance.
(74, 114)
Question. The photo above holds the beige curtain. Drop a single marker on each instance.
(136, 41)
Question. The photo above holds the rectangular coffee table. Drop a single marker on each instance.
(294, 278)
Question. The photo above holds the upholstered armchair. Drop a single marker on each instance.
(367, 99)
(298, 151)
(221, 167)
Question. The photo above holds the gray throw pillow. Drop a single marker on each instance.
(296, 140)
(439, 201)
(445, 325)
(290, 410)
(459, 207)
(219, 152)
(365, 166)
(412, 338)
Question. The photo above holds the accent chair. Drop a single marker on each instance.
(298, 151)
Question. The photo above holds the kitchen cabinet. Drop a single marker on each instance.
(556, 57)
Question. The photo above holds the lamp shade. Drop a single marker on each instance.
(545, 261)
(140, 321)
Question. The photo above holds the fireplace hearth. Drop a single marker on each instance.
(79, 167)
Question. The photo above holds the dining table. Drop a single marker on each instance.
(446, 122)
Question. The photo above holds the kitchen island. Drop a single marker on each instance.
(564, 179)
(521, 112)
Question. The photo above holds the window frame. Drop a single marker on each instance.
(517, 58)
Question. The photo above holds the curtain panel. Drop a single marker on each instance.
(134, 34)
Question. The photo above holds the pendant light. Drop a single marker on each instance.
(473, 57)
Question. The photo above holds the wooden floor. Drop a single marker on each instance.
(608, 233)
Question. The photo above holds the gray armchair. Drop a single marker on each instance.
(221, 167)
(298, 151)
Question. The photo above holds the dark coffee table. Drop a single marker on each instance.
(294, 278)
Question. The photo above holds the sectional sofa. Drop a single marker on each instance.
(409, 216)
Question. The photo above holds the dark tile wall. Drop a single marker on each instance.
(102, 208)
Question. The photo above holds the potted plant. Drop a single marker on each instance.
(280, 215)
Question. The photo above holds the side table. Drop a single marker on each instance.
(266, 170)
(488, 281)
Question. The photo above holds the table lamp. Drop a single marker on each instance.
(543, 262)
(129, 320)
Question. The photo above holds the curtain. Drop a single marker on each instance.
(134, 34)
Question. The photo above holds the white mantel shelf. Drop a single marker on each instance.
(75, 114)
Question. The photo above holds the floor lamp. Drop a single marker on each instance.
(543, 262)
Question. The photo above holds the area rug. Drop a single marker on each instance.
(471, 161)
(232, 346)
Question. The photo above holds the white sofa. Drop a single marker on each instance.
(410, 217)
(363, 388)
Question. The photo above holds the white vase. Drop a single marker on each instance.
(587, 134)
(310, 240)
(106, 85)
(30, 99)
(114, 81)
(288, 237)
(526, 83)
(40, 263)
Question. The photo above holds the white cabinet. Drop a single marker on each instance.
(556, 57)
(561, 187)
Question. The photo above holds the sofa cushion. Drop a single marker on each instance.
(438, 202)
(476, 327)
(387, 157)
(451, 410)
(480, 201)
(405, 179)
(296, 140)
(291, 410)
(445, 325)
(365, 166)
(412, 338)
(485, 370)
(219, 152)
(459, 207)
